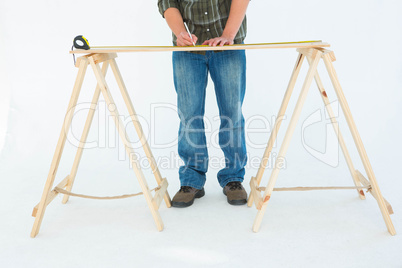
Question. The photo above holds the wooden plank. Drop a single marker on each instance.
(255, 193)
(329, 53)
(310, 53)
(52, 195)
(278, 122)
(98, 58)
(119, 49)
(359, 143)
(286, 141)
(365, 182)
(59, 148)
(156, 201)
(83, 58)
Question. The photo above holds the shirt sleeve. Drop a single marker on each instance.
(165, 4)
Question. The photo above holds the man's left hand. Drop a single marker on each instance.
(219, 41)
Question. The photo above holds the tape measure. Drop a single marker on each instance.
(80, 42)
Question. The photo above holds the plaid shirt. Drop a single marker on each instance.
(205, 18)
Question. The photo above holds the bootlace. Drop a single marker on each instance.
(185, 189)
(235, 185)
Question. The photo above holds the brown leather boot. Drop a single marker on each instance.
(235, 193)
(186, 195)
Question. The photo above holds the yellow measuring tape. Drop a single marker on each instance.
(80, 42)
(278, 43)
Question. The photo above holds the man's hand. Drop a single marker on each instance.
(219, 41)
(183, 39)
(175, 22)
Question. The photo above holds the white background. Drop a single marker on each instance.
(315, 229)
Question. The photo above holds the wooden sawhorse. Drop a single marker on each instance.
(314, 55)
(94, 59)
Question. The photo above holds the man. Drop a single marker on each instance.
(213, 23)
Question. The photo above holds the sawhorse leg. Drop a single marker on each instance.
(255, 181)
(262, 204)
(359, 144)
(59, 149)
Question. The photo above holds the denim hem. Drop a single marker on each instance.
(191, 185)
(223, 183)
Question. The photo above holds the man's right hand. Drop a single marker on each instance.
(183, 39)
(176, 24)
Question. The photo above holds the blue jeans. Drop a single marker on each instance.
(228, 72)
